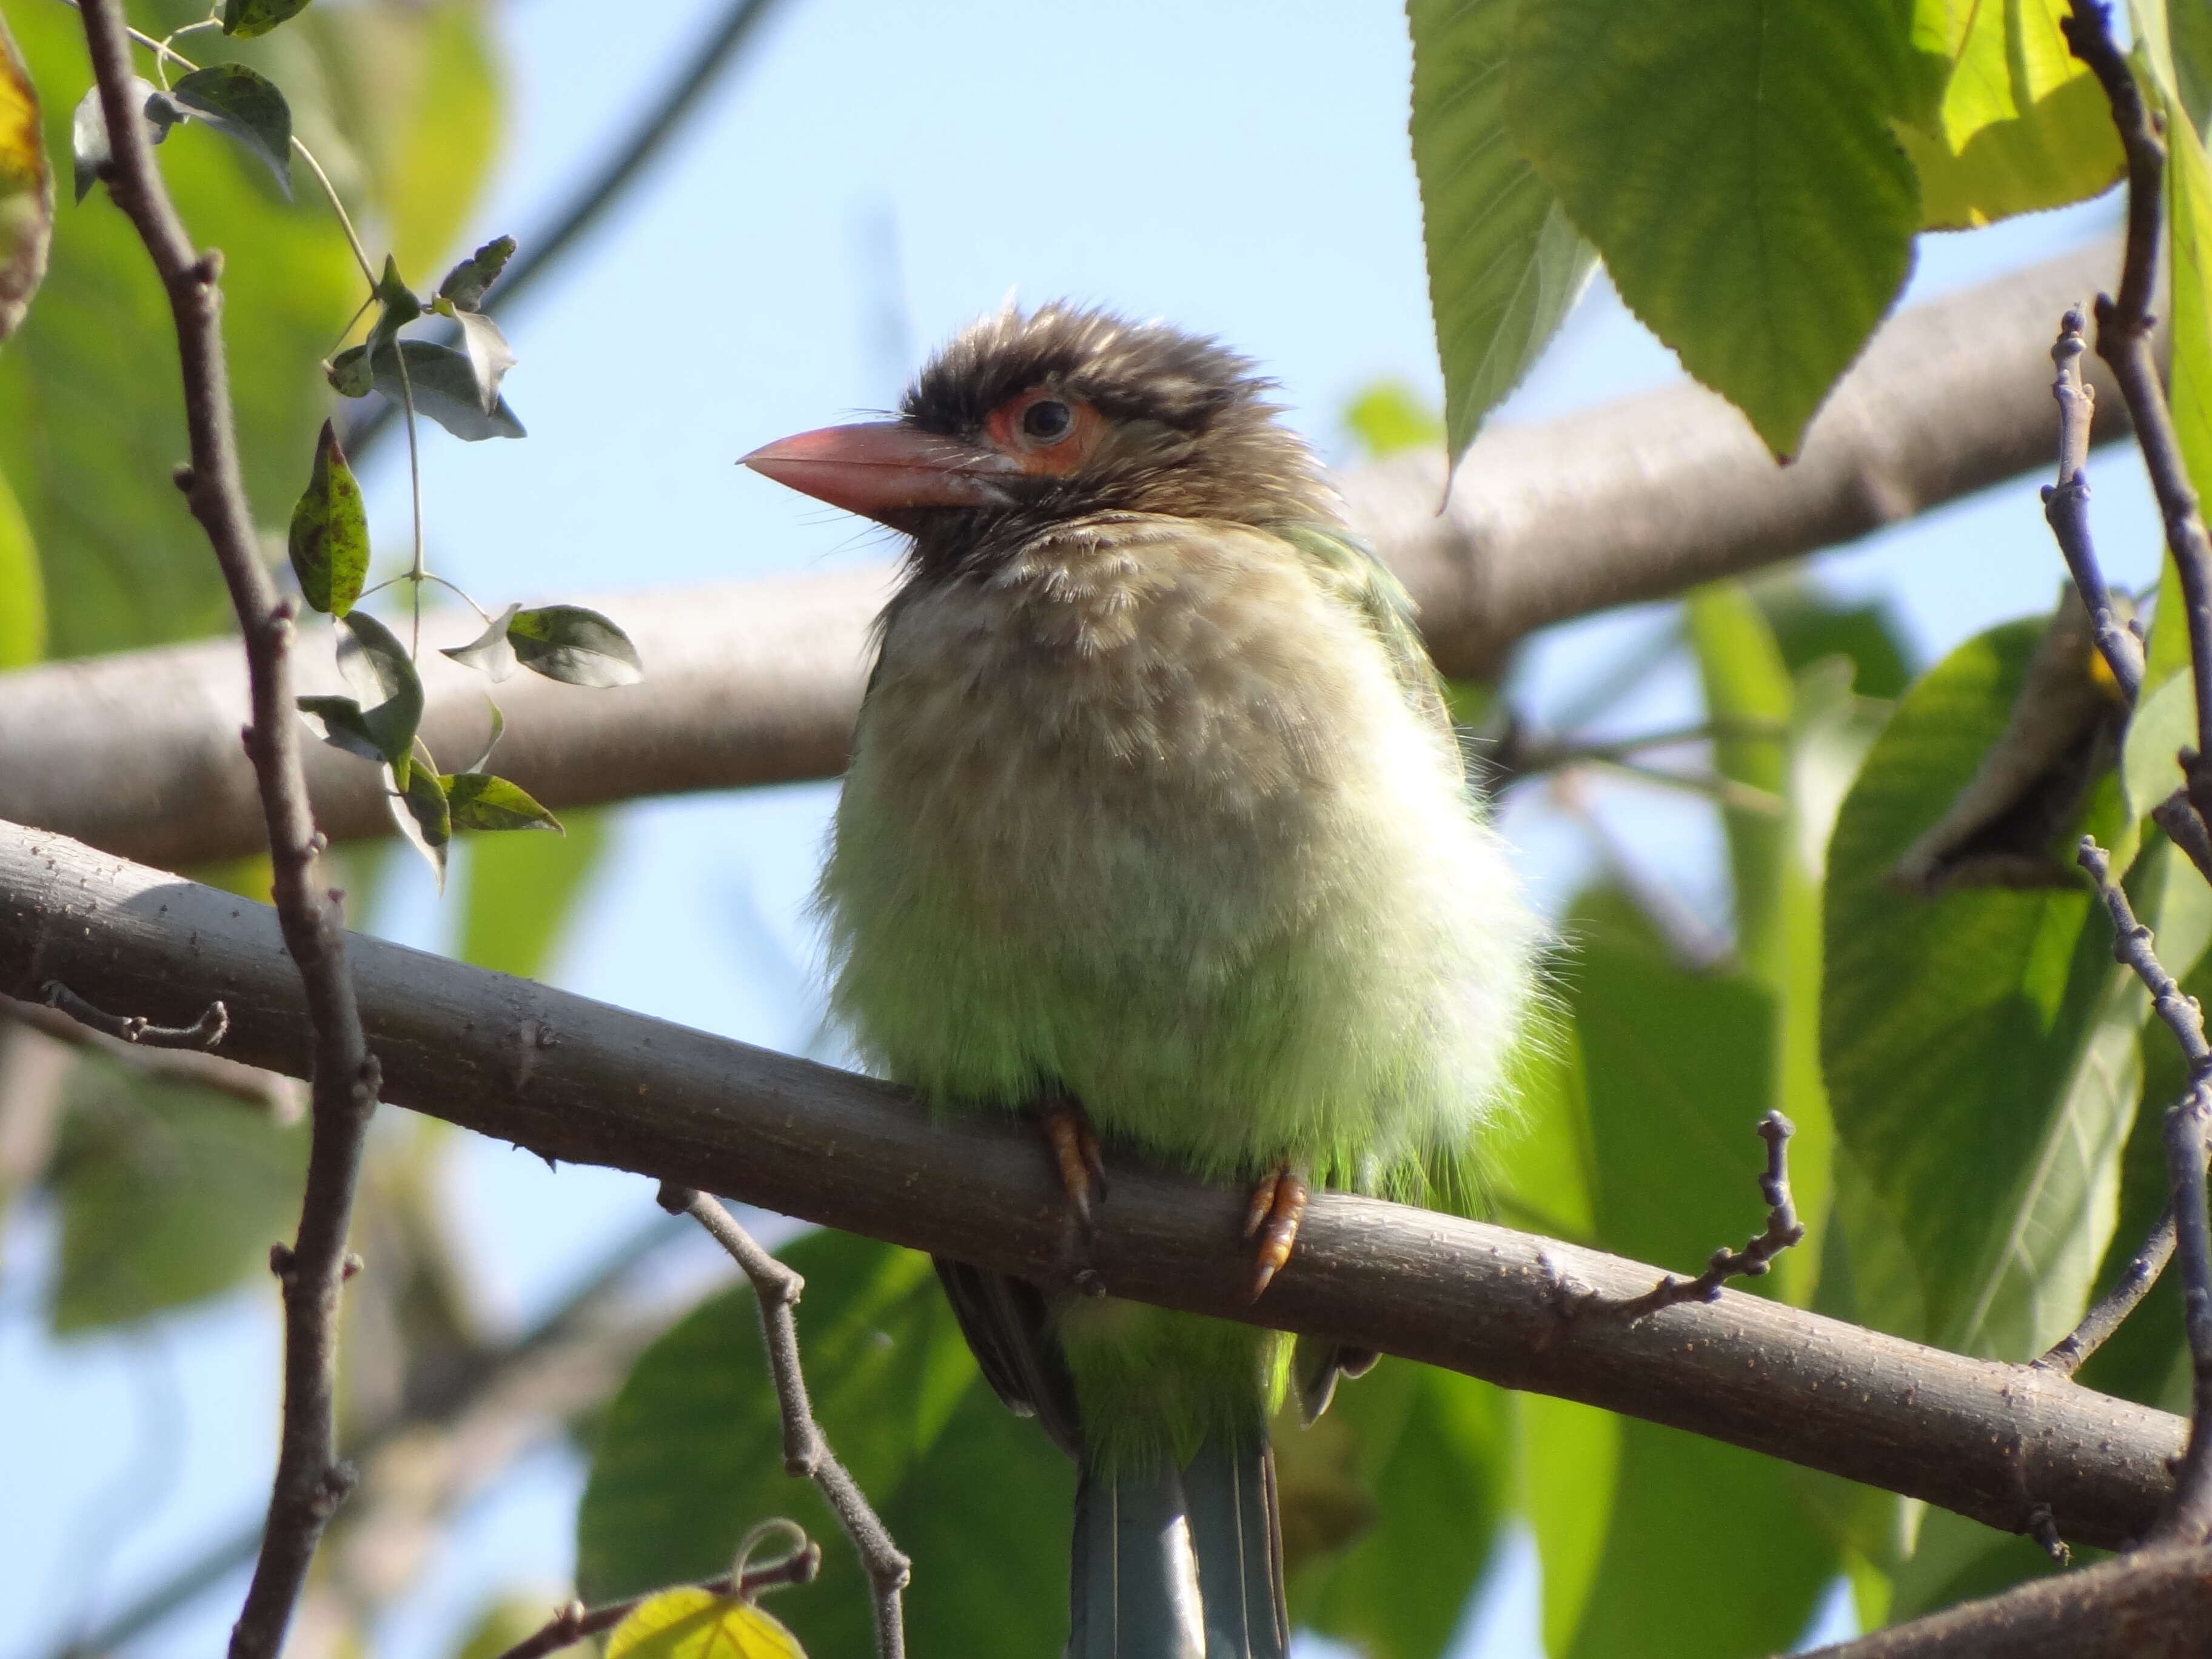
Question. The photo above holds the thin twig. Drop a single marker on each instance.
(665, 117)
(1783, 1230)
(2066, 509)
(310, 1481)
(2187, 1518)
(270, 1091)
(572, 1623)
(2110, 1312)
(204, 1032)
(807, 1453)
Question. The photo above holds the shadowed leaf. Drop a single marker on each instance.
(248, 18)
(465, 284)
(339, 722)
(238, 102)
(90, 148)
(27, 188)
(377, 667)
(488, 653)
(441, 382)
(568, 642)
(419, 811)
(489, 355)
(329, 542)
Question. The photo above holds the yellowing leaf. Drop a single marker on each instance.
(2023, 124)
(690, 1623)
(27, 188)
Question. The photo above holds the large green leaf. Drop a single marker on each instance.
(1747, 688)
(2023, 124)
(2188, 384)
(1505, 266)
(519, 891)
(168, 1194)
(1983, 1031)
(91, 419)
(1429, 1448)
(689, 1455)
(23, 589)
(1734, 161)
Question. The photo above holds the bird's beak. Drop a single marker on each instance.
(883, 469)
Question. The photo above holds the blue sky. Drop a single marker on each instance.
(872, 176)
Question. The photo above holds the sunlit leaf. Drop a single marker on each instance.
(1733, 161)
(167, 1194)
(465, 284)
(2023, 124)
(568, 642)
(690, 1623)
(248, 18)
(246, 105)
(1505, 265)
(419, 811)
(488, 653)
(329, 540)
(382, 676)
(27, 188)
(1389, 417)
(441, 383)
(477, 800)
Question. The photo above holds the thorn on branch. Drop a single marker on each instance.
(2043, 1528)
(204, 1032)
(1783, 1230)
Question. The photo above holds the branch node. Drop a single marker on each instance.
(207, 270)
(183, 477)
(281, 1262)
(205, 1032)
(2043, 1528)
(351, 1265)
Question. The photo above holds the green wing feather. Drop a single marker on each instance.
(1349, 571)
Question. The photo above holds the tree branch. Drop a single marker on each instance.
(281, 1098)
(573, 1080)
(2066, 509)
(758, 683)
(309, 1480)
(806, 1451)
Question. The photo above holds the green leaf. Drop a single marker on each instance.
(689, 1454)
(489, 354)
(2189, 387)
(22, 590)
(339, 722)
(2023, 124)
(519, 892)
(1430, 1450)
(27, 188)
(465, 284)
(2191, 40)
(167, 1194)
(488, 653)
(439, 379)
(1505, 265)
(419, 811)
(1734, 162)
(568, 642)
(1570, 1467)
(690, 1623)
(2160, 725)
(1981, 1031)
(397, 305)
(245, 105)
(1810, 625)
(1746, 687)
(1390, 417)
(478, 800)
(329, 542)
(382, 676)
(248, 18)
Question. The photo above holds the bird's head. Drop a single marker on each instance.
(1022, 422)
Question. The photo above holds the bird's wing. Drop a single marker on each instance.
(1005, 1323)
(1347, 570)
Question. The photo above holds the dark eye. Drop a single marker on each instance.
(1047, 420)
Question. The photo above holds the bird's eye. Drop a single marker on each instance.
(1047, 421)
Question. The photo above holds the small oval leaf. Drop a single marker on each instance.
(691, 1623)
(466, 282)
(338, 721)
(417, 800)
(376, 665)
(234, 99)
(329, 541)
(477, 800)
(439, 379)
(244, 19)
(27, 188)
(568, 642)
(488, 653)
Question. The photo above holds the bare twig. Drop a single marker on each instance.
(2110, 1312)
(1783, 1230)
(2187, 1518)
(203, 1033)
(2066, 509)
(806, 1453)
(703, 65)
(310, 1480)
(280, 1096)
(572, 1623)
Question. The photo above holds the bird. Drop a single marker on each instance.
(1156, 829)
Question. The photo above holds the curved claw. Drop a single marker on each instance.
(1278, 1203)
(1076, 1155)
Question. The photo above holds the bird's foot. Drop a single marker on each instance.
(1278, 1203)
(1082, 1169)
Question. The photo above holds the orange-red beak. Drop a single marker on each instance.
(882, 469)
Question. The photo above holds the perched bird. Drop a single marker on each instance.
(1156, 828)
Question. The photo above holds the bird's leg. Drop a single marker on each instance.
(1278, 1204)
(1081, 1170)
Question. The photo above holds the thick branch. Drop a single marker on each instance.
(758, 683)
(577, 1080)
(310, 1481)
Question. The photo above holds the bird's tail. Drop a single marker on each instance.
(1180, 1563)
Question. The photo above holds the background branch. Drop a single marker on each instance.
(309, 1480)
(574, 1079)
(757, 683)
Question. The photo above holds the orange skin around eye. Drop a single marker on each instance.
(1003, 426)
